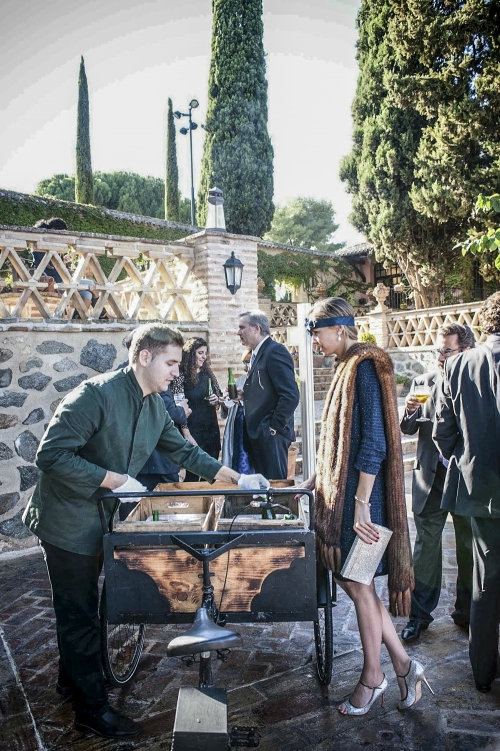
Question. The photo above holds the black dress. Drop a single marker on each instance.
(202, 422)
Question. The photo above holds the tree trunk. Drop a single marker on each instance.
(424, 295)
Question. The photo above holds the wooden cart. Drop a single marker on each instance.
(262, 570)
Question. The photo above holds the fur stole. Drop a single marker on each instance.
(333, 459)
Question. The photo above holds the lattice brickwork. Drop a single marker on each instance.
(418, 328)
(363, 324)
(156, 289)
(283, 314)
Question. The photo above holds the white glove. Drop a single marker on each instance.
(253, 482)
(131, 485)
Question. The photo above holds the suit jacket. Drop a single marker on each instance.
(159, 464)
(424, 471)
(467, 430)
(270, 393)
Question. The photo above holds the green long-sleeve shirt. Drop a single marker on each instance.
(104, 424)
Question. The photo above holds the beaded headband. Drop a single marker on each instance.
(320, 323)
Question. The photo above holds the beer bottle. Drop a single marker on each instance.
(268, 513)
(209, 390)
(231, 385)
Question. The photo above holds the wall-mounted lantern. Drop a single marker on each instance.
(233, 269)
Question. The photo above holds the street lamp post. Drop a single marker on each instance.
(193, 104)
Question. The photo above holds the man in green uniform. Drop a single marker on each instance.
(99, 438)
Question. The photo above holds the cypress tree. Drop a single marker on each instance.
(238, 155)
(84, 187)
(172, 171)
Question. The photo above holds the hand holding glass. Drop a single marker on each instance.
(422, 393)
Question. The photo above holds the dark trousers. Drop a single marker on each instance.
(485, 609)
(269, 457)
(75, 595)
(428, 556)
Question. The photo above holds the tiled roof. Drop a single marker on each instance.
(362, 249)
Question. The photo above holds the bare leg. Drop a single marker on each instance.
(375, 627)
(397, 653)
(369, 618)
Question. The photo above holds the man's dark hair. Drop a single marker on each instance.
(464, 334)
(155, 337)
(489, 314)
(53, 223)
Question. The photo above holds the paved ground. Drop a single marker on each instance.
(271, 682)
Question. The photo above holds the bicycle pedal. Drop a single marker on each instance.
(244, 737)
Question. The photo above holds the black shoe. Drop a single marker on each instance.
(106, 722)
(412, 630)
(460, 618)
(484, 688)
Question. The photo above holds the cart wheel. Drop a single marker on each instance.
(121, 646)
(323, 627)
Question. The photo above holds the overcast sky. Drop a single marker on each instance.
(139, 54)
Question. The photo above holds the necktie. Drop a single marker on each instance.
(252, 359)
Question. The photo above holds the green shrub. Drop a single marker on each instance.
(366, 336)
(401, 378)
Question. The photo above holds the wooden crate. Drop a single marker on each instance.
(238, 517)
(186, 513)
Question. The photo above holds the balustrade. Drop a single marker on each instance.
(147, 279)
(418, 328)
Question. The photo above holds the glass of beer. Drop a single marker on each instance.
(422, 393)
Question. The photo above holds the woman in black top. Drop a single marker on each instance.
(202, 391)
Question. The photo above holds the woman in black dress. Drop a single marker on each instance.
(202, 391)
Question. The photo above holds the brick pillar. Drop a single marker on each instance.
(211, 301)
(378, 326)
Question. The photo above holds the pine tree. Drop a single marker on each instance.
(238, 155)
(306, 223)
(84, 188)
(172, 171)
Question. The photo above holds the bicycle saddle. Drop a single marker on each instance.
(203, 636)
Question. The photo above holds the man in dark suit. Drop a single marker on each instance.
(427, 489)
(270, 397)
(467, 431)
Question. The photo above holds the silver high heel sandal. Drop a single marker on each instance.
(413, 680)
(377, 691)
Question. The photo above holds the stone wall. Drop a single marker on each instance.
(413, 361)
(39, 365)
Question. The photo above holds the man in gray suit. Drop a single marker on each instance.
(427, 490)
(467, 432)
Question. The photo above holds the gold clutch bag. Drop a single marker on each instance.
(363, 559)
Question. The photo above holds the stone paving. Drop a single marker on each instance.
(271, 682)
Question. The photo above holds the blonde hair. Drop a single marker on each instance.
(334, 307)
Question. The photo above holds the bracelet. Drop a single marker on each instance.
(360, 500)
